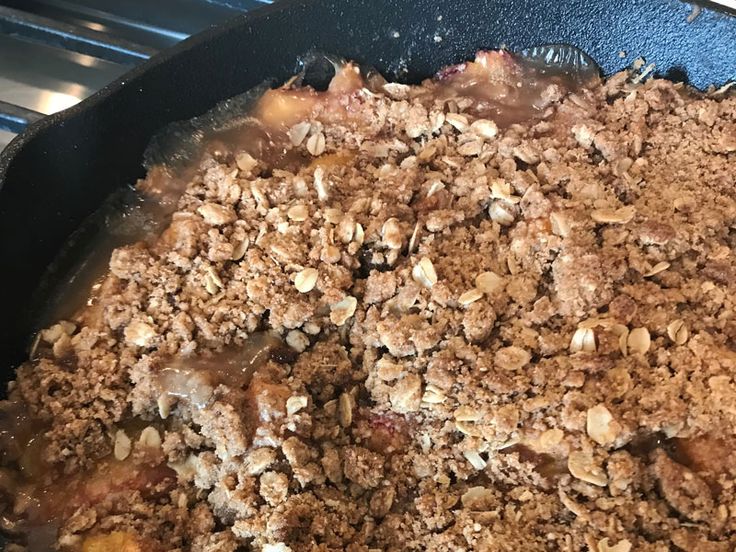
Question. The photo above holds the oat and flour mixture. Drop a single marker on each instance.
(467, 315)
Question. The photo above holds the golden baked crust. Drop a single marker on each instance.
(515, 341)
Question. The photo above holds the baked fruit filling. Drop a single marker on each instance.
(494, 311)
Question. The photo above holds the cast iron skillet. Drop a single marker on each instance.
(61, 168)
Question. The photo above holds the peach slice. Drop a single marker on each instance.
(117, 541)
(282, 108)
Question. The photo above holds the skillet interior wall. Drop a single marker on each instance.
(59, 171)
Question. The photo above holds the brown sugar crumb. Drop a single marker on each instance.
(420, 329)
(685, 491)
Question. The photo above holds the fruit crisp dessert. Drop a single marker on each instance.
(490, 312)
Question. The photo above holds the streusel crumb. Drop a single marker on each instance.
(478, 337)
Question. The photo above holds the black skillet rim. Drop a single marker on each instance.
(18, 143)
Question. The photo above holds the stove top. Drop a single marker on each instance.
(55, 53)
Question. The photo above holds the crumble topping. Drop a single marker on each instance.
(435, 332)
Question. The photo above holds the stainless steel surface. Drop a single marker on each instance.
(16, 118)
(5, 138)
(48, 79)
(75, 38)
(41, 67)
